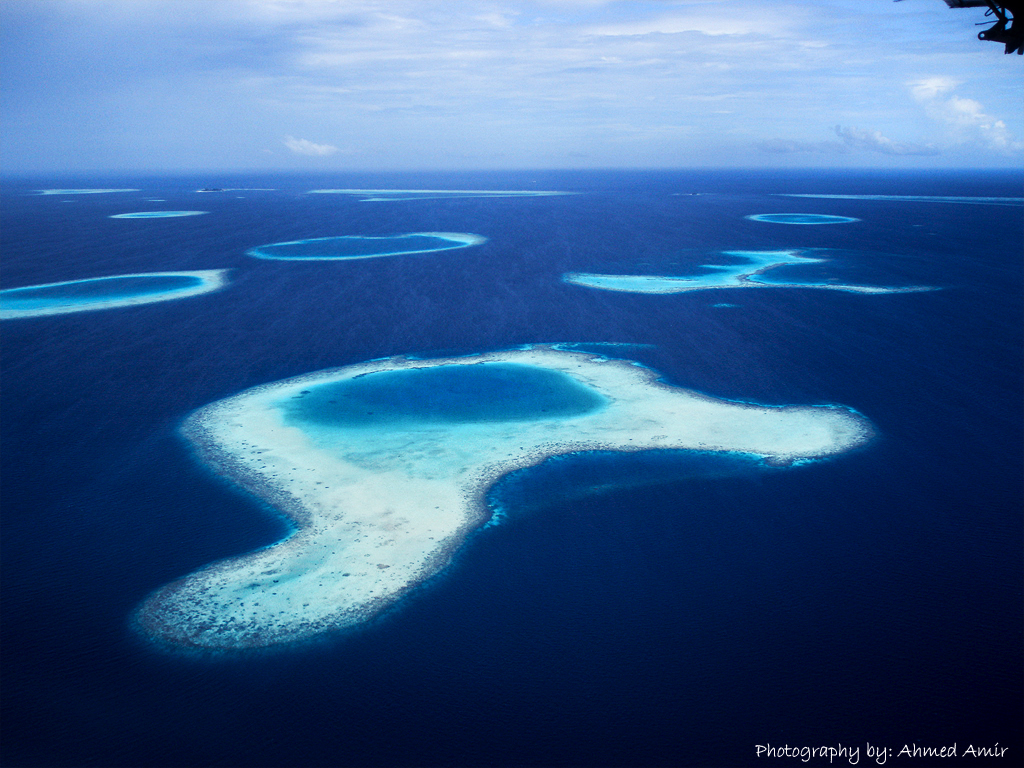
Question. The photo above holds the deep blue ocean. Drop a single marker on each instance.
(620, 614)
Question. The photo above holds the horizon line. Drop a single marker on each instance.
(14, 174)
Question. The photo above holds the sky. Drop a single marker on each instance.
(335, 85)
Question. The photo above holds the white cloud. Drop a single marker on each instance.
(413, 83)
(853, 139)
(874, 141)
(713, 20)
(932, 87)
(966, 119)
(304, 147)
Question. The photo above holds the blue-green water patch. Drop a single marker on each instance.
(453, 394)
(365, 247)
(801, 218)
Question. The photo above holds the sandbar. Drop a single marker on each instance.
(157, 214)
(364, 247)
(106, 292)
(384, 195)
(383, 484)
(750, 274)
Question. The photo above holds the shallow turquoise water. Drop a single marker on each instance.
(444, 394)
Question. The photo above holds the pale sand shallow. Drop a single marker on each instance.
(380, 510)
(211, 280)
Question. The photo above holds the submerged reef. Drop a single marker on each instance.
(385, 467)
(364, 247)
(751, 273)
(236, 189)
(801, 218)
(106, 292)
(920, 198)
(157, 214)
(81, 191)
(384, 195)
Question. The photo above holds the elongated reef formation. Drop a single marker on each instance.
(749, 274)
(107, 292)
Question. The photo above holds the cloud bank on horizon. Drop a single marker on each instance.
(306, 147)
(405, 84)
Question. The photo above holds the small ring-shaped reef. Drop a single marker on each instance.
(364, 247)
(801, 218)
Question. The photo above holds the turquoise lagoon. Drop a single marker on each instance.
(450, 394)
(364, 247)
